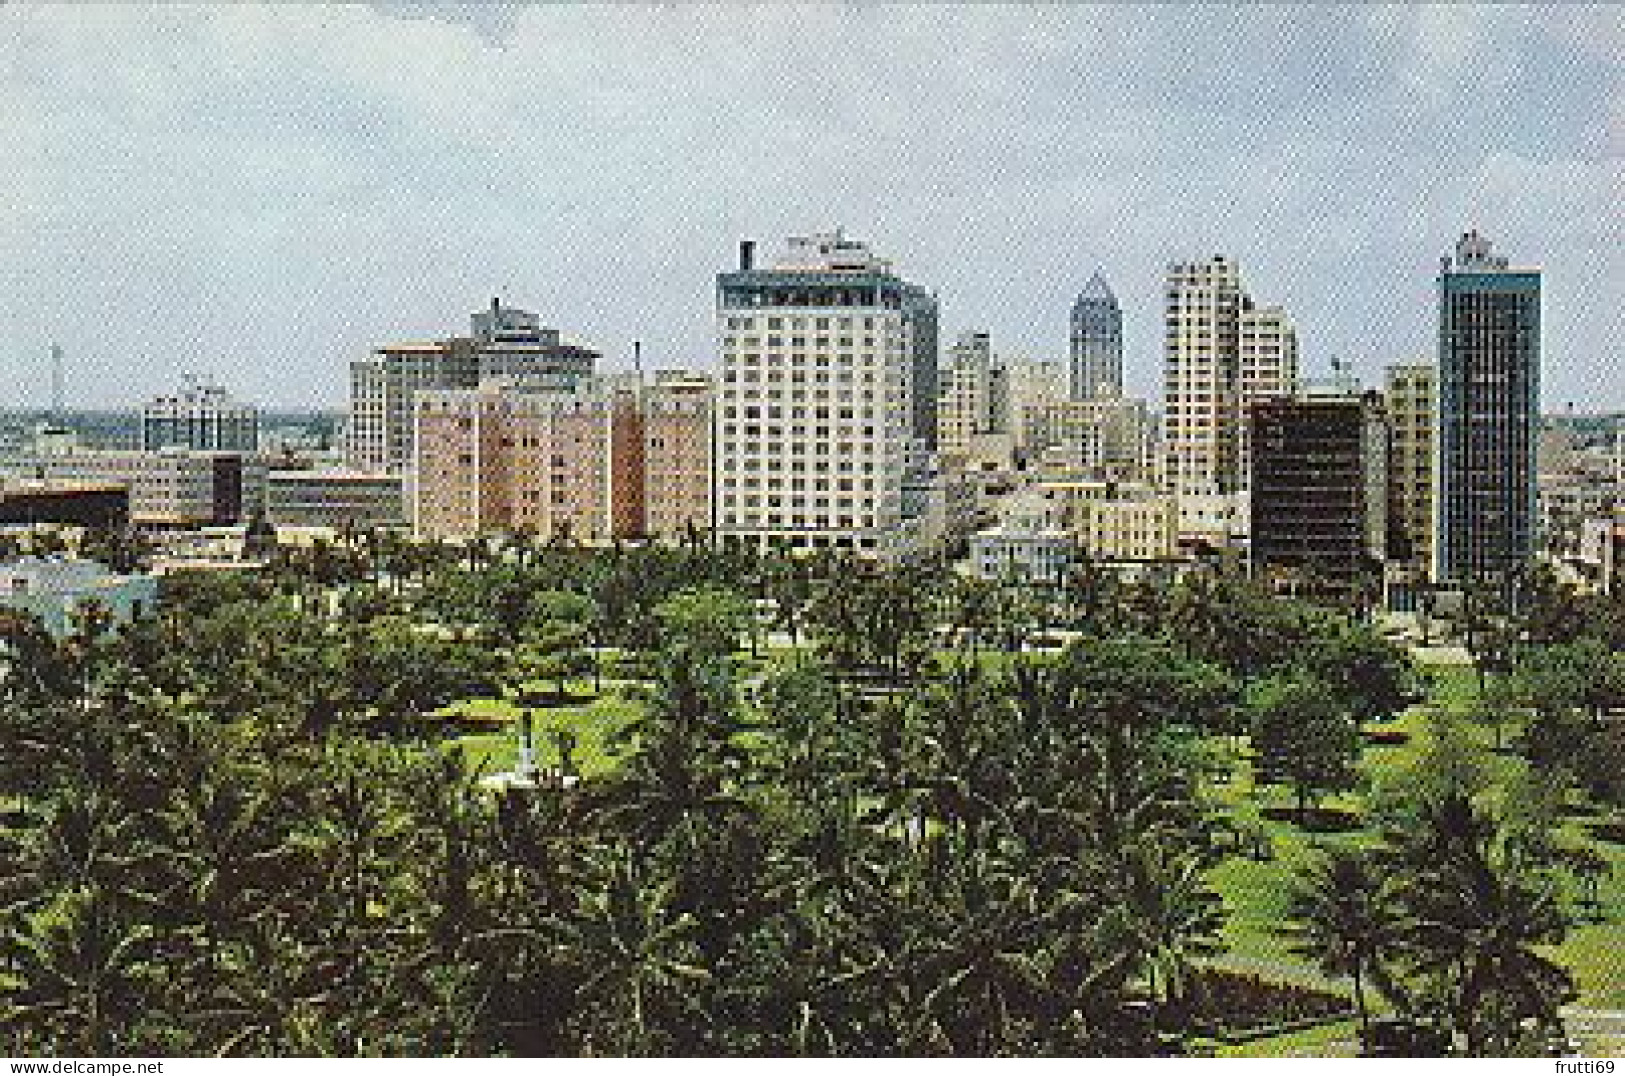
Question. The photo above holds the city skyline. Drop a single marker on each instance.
(263, 195)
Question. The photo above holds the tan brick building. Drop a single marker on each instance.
(606, 460)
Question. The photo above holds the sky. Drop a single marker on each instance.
(260, 194)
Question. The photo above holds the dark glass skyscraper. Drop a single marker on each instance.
(1489, 407)
(1097, 342)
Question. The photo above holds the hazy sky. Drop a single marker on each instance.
(261, 193)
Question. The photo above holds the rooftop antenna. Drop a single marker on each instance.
(56, 384)
(637, 359)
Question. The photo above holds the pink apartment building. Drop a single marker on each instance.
(605, 460)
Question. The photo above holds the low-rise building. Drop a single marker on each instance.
(1599, 555)
(203, 417)
(1114, 522)
(58, 591)
(173, 488)
(96, 505)
(338, 500)
(1027, 545)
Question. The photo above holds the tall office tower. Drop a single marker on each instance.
(506, 344)
(1489, 395)
(202, 417)
(967, 393)
(920, 314)
(1220, 353)
(1097, 342)
(1319, 517)
(821, 357)
(1412, 398)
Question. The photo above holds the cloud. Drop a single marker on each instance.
(268, 190)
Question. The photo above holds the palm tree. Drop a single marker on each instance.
(637, 958)
(1474, 913)
(1342, 914)
(1171, 913)
(79, 975)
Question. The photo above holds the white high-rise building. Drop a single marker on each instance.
(1220, 353)
(817, 420)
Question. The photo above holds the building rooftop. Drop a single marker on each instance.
(1097, 290)
(54, 575)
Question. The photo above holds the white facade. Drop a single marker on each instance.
(202, 417)
(1220, 353)
(1028, 544)
(57, 591)
(814, 405)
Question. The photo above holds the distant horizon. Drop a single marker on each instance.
(343, 409)
(260, 194)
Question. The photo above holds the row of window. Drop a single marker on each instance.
(821, 504)
(845, 485)
(778, 322)
(817, 358)
(796, 343)
(776, 411)
(797, 377)
(775, 519)
(773, 463)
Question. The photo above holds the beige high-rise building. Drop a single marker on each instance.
(609, 459)
(1108, 437)
(1268, 352)
(1027, 383)
(505, 344)
(1220, 353)
(1413, 409)
(968, 395)
(677, 454)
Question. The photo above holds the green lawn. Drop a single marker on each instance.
(593, 722)
(1255, 892)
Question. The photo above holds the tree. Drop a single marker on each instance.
(1475, 911)
(561, 625)
(706, 623)
(1301, 734)
(636, 959)
(1452, 765)
(81, 975)
(1170, 912)
(1369, 674)
(1342, 914)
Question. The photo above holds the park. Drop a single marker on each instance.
(794, 805)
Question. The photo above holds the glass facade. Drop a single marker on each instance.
(1489, 406)
(1097, 343)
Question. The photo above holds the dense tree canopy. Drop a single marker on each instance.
(243, 825)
